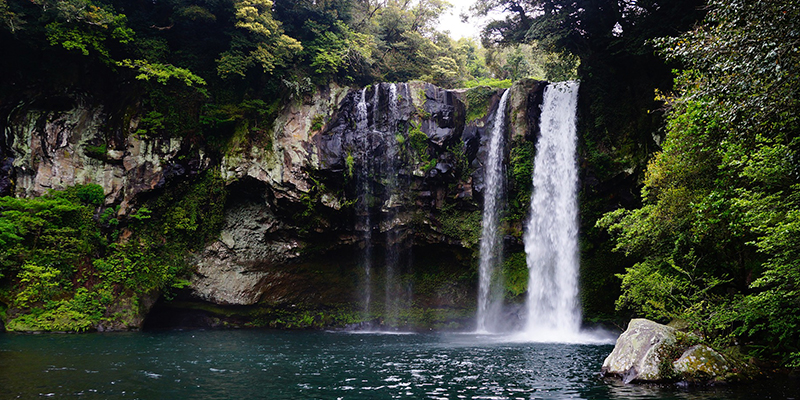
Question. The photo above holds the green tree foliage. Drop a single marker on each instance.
(617, 64)
(64, 263)
(95, 29)
(11, 19)
(85, 26)
(333, 47)
(718, 234)
(49, 231)
(258, 41)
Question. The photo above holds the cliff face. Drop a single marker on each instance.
(357, 205)
(375, 191)
(70, 141)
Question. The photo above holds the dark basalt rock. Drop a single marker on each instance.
(447, 114)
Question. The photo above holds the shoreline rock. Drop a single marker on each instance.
(649, 352)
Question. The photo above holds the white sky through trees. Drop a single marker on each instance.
(451, 21)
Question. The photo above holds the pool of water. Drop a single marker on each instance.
(323, 365)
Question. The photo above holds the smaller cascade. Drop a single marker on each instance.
(394, 106)
(551, 233)
(388, 211)
(379, 200)
(362, 204)
(491, 243)
(395, 296)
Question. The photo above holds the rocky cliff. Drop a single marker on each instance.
(355, 205)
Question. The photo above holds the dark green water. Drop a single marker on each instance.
(325, 365)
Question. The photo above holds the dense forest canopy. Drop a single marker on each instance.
(292, 43)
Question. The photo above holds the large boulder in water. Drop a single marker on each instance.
(640, 352)
(650, 352)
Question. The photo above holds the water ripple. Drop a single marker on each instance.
(288, 365)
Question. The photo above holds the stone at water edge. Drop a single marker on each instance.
(701, 362)
(639, 351)
(648, 352)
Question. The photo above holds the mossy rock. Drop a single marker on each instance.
(701, 363)
(650, 352)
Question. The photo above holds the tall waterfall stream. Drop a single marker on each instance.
(551, 232)
(491, 243)
(552, 310)
(378, 158)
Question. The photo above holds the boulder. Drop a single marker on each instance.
(640, 351)
(701, 362)
(651, 352)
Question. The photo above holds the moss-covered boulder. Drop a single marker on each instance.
(701, 363)
(650, 352)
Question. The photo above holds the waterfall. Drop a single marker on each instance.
(378, 184)
(394, 107)
(362, 204)
(551, 237)
(491, 242)
(392, 288)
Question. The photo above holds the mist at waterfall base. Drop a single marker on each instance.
(259, 364)
(551, 311)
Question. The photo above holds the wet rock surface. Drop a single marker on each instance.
(47, 149)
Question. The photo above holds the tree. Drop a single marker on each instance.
(332, 45)
(258, 41)
(404, 33)
(719, 228)
(610, 37)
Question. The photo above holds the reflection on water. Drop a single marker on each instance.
(291, 365)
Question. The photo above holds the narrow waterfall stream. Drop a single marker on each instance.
(551, 233)
(491, 240)
(379, 186)
(362, 204)
(394, 294)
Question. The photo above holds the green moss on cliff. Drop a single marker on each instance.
(68, 270)
(520, 178)
(515, 274)
(477, 102)
(462, 225)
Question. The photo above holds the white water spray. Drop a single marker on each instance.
(491, 249)
(551, 237)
